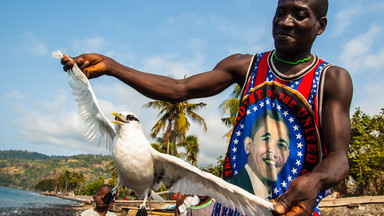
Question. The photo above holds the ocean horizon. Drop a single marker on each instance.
(17, 198)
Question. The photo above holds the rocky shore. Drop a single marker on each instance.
(51, 210)
(353, 206)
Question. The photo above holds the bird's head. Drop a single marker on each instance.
(122, 118)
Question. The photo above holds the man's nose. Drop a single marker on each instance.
(271, 148)
(287, 21)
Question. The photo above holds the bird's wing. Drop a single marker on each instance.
(89, 109)
(180, 176)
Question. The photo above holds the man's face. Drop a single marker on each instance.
(100, 195)
(269, 150)
(295, 25)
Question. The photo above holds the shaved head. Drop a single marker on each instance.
(319, 6)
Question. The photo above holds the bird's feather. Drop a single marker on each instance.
(182, 177)
(141, 167)
(89, 109)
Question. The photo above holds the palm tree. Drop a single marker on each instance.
(159, 144)
(191, 145)
(230, 106)
(174, 117)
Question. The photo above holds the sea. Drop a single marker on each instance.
(15, 198)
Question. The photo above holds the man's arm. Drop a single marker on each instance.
(232, 69)
(301, 195)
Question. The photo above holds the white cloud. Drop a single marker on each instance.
(92, 44)
(170, 64)
(31, 44)
(50, 123)
(369, 97)
(359, 50)
(344, 19)
(15, 95)
(375, 60)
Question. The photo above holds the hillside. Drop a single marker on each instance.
(22, 169)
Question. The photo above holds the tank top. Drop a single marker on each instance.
(277, 131)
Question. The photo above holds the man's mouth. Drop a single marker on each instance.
(271, 162)
(283, 34)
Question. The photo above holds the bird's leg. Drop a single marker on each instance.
(107, 199)
(149, 204)
(143, 204)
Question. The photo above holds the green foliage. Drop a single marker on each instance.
(174, 118)
(191, 146)
(18, 154)
(216, 170)
(25, 170)
(366, 152)
(92, 187)
(230, 107)
(69, 181)
(46, 185)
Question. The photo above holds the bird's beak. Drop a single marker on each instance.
(119, 119)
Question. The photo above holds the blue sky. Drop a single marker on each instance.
(177, 38)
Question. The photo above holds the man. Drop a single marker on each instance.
(189, 205)
(101, 208)
(267, 149)
(296, 25)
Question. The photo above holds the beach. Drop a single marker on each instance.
(53, 210)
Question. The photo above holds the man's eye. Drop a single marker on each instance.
(283, 146)
(301, 15)
(266, 138)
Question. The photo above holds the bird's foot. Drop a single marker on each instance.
(142, 211)
(107, 199)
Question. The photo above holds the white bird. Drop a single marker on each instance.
(141, 168)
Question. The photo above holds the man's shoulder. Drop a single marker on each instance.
(91, 212)
(88, 212)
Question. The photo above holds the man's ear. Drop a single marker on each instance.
(247, 145)
(322, 25)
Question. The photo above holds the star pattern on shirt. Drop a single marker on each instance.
(297, 132)
(296, 129)
(296, 166)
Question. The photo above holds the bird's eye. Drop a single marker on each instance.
(132, 118)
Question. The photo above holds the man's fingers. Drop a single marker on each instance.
(283, 204)
(280, 209)
(67, 62)
(83, 64)
(69, 65)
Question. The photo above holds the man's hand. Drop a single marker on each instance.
(300, 198)
(92, 65)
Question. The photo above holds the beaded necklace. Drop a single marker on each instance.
(289, 62)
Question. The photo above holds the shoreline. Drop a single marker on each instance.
(78, 198)
(48, 210)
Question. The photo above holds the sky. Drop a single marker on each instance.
(178, 38)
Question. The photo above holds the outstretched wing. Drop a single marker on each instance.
(89, 109)
(179, 176)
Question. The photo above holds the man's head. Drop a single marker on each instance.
(100, 193)
(297, 23)
(320, 8)
(267, 146)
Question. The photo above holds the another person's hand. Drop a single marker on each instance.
(300, 198)
(92, 65)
